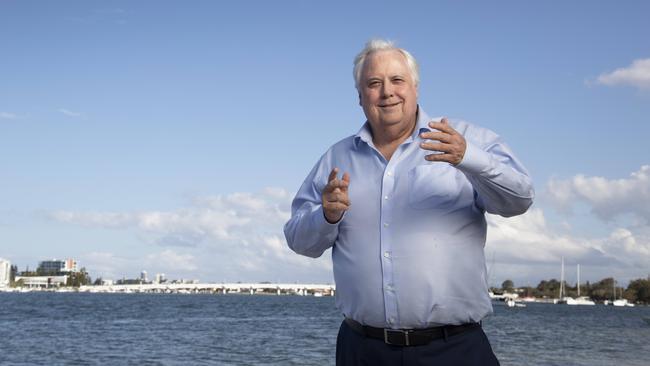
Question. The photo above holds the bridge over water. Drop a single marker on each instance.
(218, 288)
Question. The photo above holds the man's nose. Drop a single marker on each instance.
(387, 90)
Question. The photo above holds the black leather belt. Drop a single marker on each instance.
(409, 337)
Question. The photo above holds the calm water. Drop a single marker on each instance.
(149, 329)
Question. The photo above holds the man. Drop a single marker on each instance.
(402, 205)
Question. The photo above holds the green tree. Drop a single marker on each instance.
(602, 290)
(549, 288)
(507, 286)
(12, 275)
(76, 279)
(528, 291)
(638, 291)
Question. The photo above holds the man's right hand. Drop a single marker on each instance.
(335, 196)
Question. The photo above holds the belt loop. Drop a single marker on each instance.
(444, 333)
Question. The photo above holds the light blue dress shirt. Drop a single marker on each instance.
(409, 251)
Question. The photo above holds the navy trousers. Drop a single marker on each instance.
(470, 348)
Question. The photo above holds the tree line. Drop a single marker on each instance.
(637, 291)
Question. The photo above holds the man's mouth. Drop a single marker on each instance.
(389, 105)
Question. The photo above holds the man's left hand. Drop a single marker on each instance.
(450, 146)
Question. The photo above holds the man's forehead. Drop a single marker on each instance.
(383, 57)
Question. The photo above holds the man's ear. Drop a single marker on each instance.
(360, 100)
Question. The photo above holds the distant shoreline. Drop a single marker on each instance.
(193, 288)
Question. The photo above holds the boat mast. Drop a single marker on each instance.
(562, 279)
(578, 280)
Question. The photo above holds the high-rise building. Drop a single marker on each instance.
(160, 278)
(143, 276)
(5, 272)
(57, 266)
(70, 265)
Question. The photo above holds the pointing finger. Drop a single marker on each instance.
(333, 174)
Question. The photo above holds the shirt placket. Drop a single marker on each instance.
(387, 241)
(386, 245)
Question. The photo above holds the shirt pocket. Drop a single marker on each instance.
(434, 186)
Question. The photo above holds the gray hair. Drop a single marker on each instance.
(375, 45)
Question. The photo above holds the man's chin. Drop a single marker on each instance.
(391, 120)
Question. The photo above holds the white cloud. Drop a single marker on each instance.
(239, 237)
(112, 266)
(91, 219)
(235, 236)
(527, 248)
(69, 113)
(528, 245)
(7, 115)
(107, 265)
(170, 259)
(637, 74)
(529, 239)
(608, 198)
(631, 245)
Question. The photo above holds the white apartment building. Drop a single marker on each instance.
(5, 272)
(42, 281)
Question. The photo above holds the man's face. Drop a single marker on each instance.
(387, 91)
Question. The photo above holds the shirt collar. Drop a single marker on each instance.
(421, 125)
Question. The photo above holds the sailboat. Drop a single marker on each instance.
(621, 301)
(580, 300)
(561, 298)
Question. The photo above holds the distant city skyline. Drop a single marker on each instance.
(160, 277)
(171, 137)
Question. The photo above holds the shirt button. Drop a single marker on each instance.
(385, 197)
(385, 224)
(390, 174)
(391, 320)
(387, 254)
(389, 287)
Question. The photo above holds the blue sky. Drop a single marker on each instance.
(170, 136)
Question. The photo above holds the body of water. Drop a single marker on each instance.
(167, 329)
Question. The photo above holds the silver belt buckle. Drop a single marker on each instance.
(405, 332)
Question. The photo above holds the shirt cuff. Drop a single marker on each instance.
(323, 225)
(475, 160)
